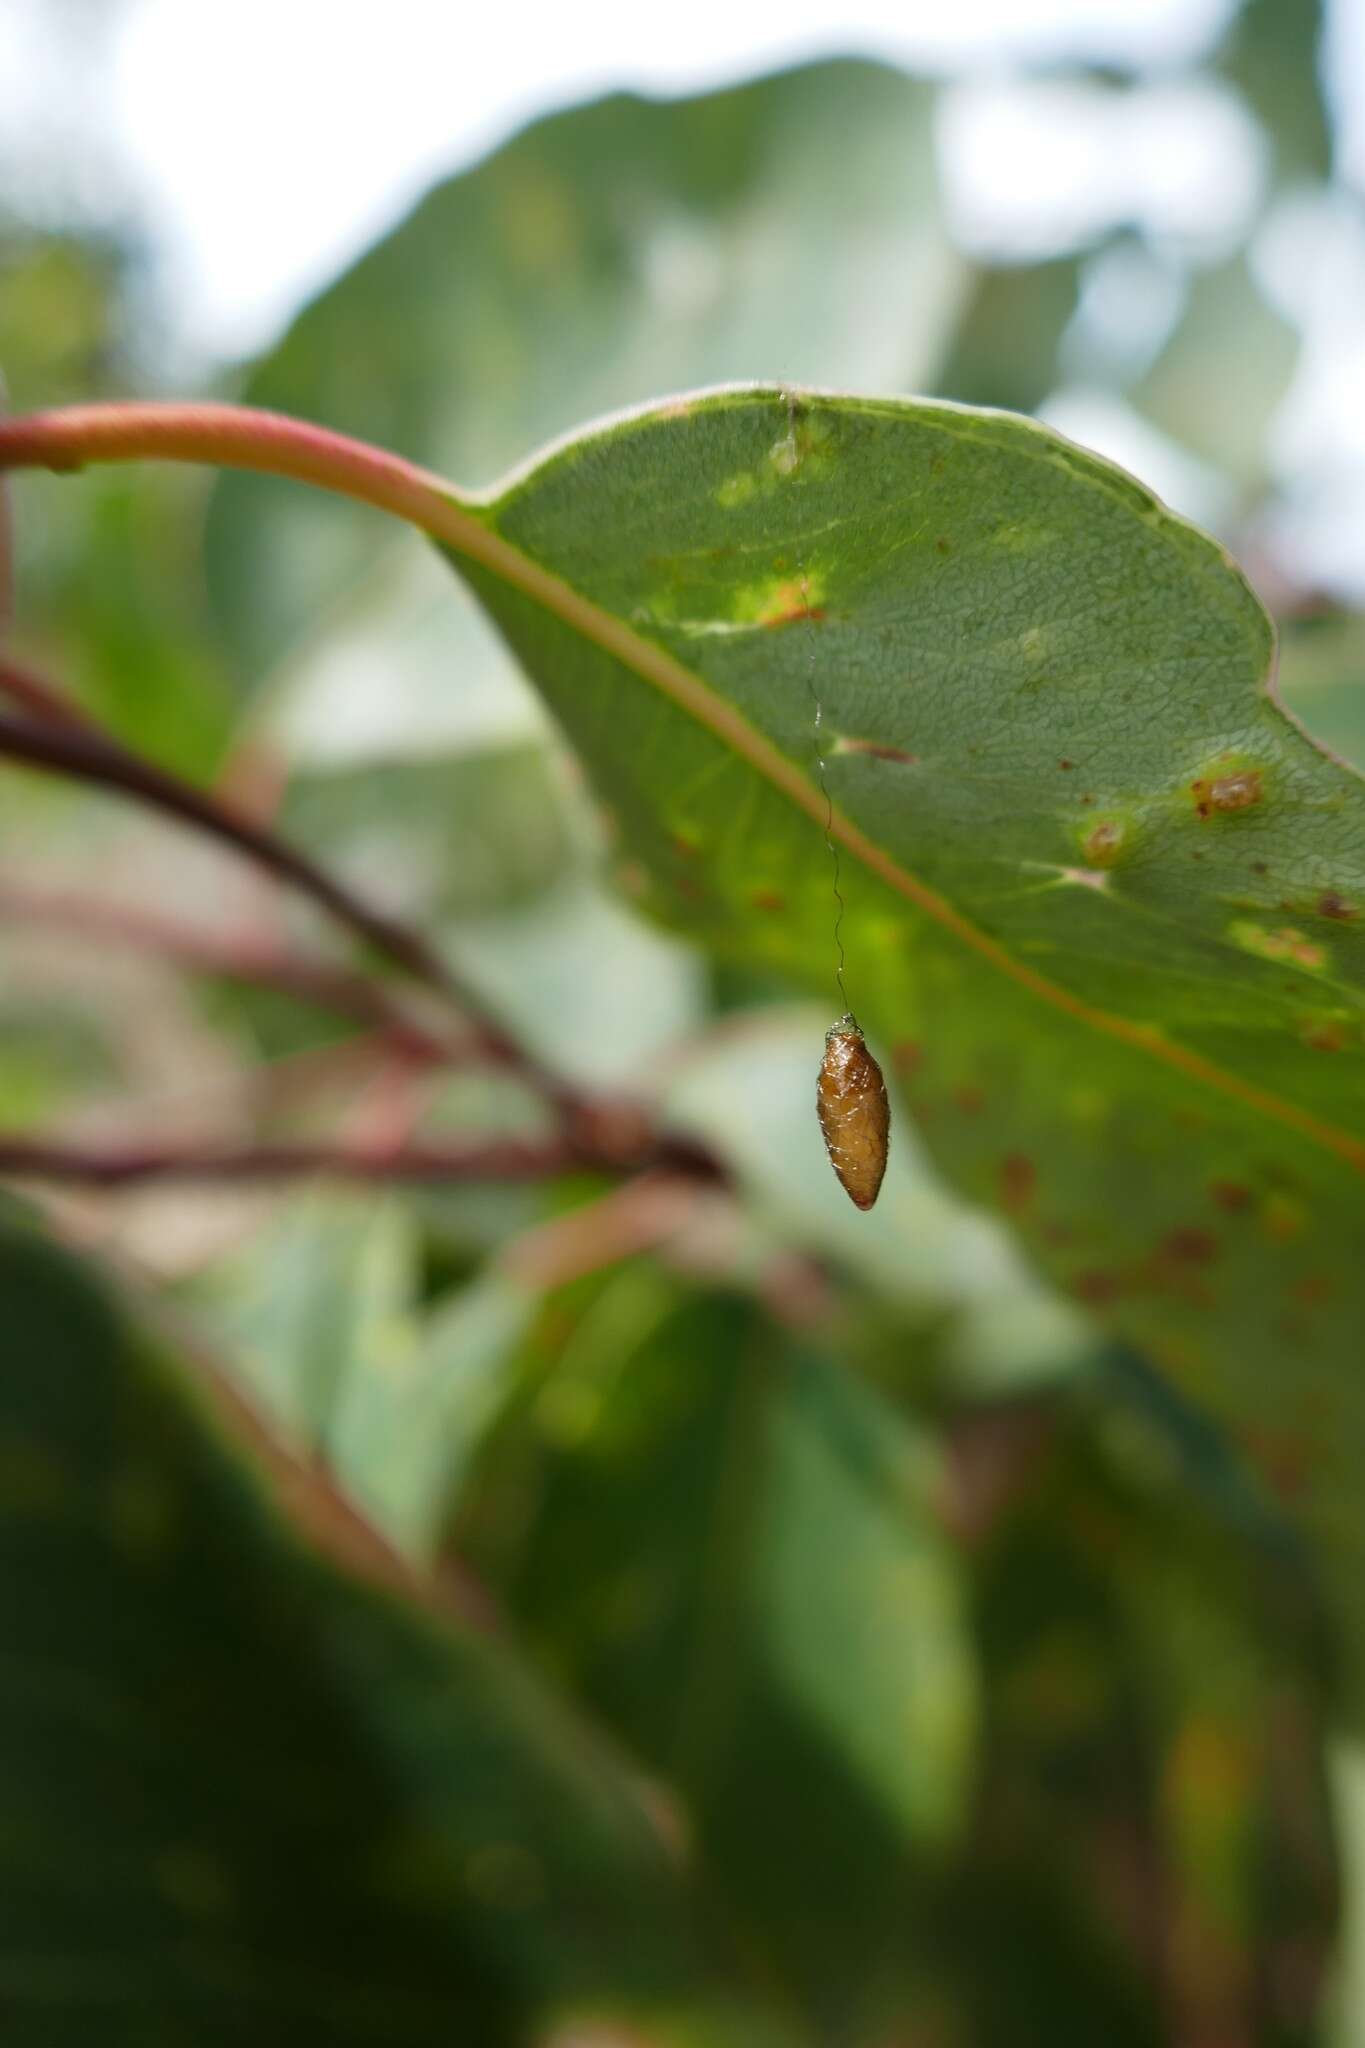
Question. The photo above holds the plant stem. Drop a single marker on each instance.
(86, 755)
(42, 699)
(239, 437)
(122, 1165)
(117, 1165)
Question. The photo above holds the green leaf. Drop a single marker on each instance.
(246, 1795)
(602, 256)
(1272, 55)
(1218, 380)
(588, 987)
(727, 1547)
(1322, 679)
(1004, 349)
(1154, 1727)
(1104, 900)
(437, 839)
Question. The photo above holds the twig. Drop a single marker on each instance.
(318, 982)
(86, 755)
(120, 1165)
(41, 699)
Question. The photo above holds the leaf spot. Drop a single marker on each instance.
(1217, 794)
(1018, 1179)
(736, 490)
(1330, 904)
(844, 745)
(1190, 1245)
(1287, 943)
(1097, 1287)
(1106, 842)
(1086, 878)
(1323, 1034)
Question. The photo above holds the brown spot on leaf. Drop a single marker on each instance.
(769, 899)
(1018, 1179)
(1104, 842)
(1313, 1289)
(796, 612)
(1190, 1245)
(686, 847)
(907, 1056)
(1230, 1195)
(1066, 764)
(942, 546)
(1237, 791)
(1288, 943)
(1323, 1034)
(1098, 1287)
(1332, 905)
(883, 753)
(969, 1100)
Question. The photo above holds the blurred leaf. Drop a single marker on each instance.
(600, 257)
(436, 839)
(748, 1092)
(247, 1796)
(582, 983)
(1153, 1859)
(59, 313)
(726, 1547)
(1004, 349)
(321, 1315)
(1321, 678)
(324, 1297)
(1271, 53)
(1216, 383)
(1105, 912)
(111, 605)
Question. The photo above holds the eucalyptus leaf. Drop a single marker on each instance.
(729, 1550)
(1103, 897)
(248, 1796)
(602, 255)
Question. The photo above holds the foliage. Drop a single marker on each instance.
(501, 1550)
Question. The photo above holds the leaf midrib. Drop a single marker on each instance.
(467, 534)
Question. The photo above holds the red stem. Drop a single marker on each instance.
(117, 1165)
(236, 437)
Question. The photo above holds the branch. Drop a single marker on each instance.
(365, 1002)
(24, 1158)
(86, 755)
(241, 437)
(42, 699)
(123, 1165)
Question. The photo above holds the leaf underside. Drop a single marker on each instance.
(1103, 895)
